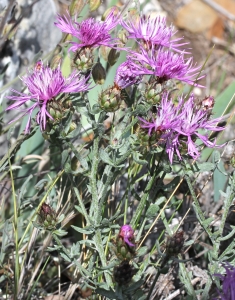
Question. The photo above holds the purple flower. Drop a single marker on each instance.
(44, 84)
(166, 65)
(192, 120)
(152, 31)
(165, 119)
(228, 287)
(127, 234)
(125, 75)
(90, 33)
(179, 125)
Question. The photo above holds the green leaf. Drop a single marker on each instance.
(152, 211)
(219, 180)
(136, 157)
(60, 232)
(216, 156)
(109, 294)
(202, 167)
(65, 257)
(142, 251)
(83, 230)
(105, 157)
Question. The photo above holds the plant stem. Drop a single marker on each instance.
(94, 209)
(100, 249)
(15, 226)
(201, 216)
(165, 260)
(143, 201)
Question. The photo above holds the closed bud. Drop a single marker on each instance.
(175, 243)
(152, 93)
(94, 4)
(208, 103)
(123, 273)
(76, 7)
(72, 127)
(232, 161)
(98, 73)
(113, 56)
(104, 52)
(146, 140)
(56, 61)
(85, 292)
(48, 216)
(84, 59)
(75, 164)
(110, 99)
(122, 35)
(113, 9)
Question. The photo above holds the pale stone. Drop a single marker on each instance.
(198, 17)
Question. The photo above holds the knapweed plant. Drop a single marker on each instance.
(108, 174)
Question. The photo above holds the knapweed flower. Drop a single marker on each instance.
(125, 74)
(44, 84)
(178, 126)
(152, 31)
(165, 119)
(193, 120)
(127, 234)
(166, 65)
(228, 287)
(90, 33)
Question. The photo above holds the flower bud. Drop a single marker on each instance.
(123, 273)
(113, 9)
(175, 243)
(84, 59)
(75, 164)
(48, 216)
(208, 103)
(104, 52)
(85, 292)
(76, 7)
(127, 234)
(122, 35)
(72, 127)
(110, 99)
(113, 56)
(56, 61)
(146, 140)
(98, 73)
(94, 4)
(232, 161)
(152, 93)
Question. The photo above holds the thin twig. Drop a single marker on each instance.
(220, 9)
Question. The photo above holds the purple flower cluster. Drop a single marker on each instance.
(179, 125)
(44, 84)
(228, 287)
(155, 55)
(158, 54)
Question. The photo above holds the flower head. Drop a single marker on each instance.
(180, 125)
(127, 234)
(166, 65)
(152, 31)
(125, 75)
(228, 288)
(90, 33)
(165, 118)
(44, 84)
(193, 120)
